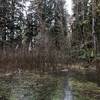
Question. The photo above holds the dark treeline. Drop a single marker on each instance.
(25, 23)
(85, 27)
(86, 32)
(32, 34)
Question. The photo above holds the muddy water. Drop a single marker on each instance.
(30, 86)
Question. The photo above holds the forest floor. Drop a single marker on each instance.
(81, 78)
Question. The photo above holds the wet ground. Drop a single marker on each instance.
(31, 86)
(28, 85)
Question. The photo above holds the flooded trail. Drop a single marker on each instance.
(67, 89)
(30, 86)
(68, 93)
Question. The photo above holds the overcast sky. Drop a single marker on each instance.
(69, 6)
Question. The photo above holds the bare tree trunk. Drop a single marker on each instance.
(93, 24)
(95, 39)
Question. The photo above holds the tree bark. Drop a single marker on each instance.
(93, 25)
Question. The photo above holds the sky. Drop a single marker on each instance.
(27, 4)
(69, 6)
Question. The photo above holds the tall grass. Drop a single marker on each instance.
(42, 60)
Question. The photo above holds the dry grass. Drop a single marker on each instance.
(37, 60)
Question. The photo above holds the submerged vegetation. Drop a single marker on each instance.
(84, 90)
(30, 86)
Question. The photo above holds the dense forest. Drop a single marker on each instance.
(34, 30)
(41, 36)
(41, 20)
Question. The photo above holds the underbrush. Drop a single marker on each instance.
(37, 60)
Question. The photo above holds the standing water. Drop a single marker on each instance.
(68, 92)
(30, 86)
